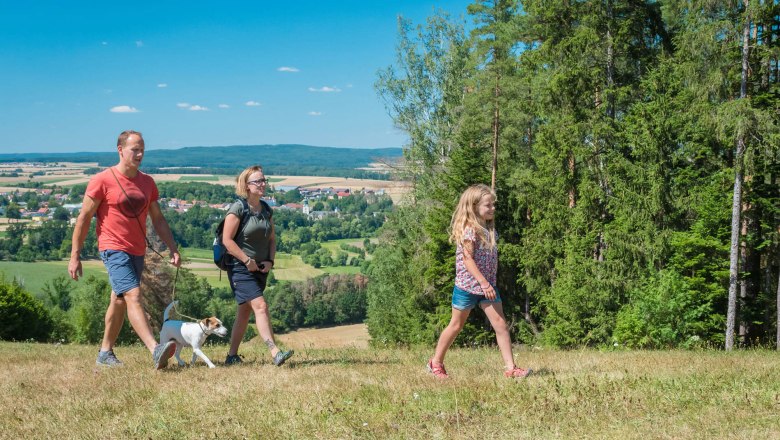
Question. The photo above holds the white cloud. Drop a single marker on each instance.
(315, 113)
(139, 43)
(183, 104)
(104, 43)
(197, 108)
(252, 104)
(123, 109)
(162, 85)
(325, 89)
(223, 106)
(288, 69)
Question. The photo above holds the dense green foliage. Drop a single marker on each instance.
(322, 301)
(609, 129)
(24, 317)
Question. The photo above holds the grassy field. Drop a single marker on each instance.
(55, 391)
(33, 276)
(287, 268)
(204, 178)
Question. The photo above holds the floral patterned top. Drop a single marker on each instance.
(486, 259)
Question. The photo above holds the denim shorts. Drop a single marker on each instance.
(463, 300)
(246, 285)
(124, 270)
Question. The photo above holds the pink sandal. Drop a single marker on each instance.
(517, 372)
(437, 370)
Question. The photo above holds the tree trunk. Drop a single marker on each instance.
(496, 128)
(743, 325)
(778, 310)
(736, 205)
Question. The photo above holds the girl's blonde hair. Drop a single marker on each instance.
(467, 215)
(243, 178)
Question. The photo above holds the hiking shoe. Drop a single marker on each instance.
(107, 359)
(282, 356)
(437, 370)
(233, 359)
(161, 354)
(517, 372)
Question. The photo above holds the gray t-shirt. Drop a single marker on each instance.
(255, 239)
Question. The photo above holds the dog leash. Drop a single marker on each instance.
(173, 300)
(149, 245)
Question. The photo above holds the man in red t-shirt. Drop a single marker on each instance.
(122, 196)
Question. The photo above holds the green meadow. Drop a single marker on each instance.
(33, 276)
(204, 178)
(56, 391)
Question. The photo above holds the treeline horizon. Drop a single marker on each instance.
(282, 159)
(634, 150)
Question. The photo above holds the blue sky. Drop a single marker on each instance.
(73, 75)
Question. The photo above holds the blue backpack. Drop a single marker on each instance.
(222, 257)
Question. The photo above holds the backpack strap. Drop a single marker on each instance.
(244, 216)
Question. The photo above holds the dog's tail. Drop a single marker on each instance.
(168, 309)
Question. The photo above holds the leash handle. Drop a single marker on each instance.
(173, 299)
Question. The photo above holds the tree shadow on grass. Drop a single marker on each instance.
(542, 372)
(340, 361)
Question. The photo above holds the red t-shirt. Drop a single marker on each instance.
(118, 216)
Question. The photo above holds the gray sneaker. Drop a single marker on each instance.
(108, 359)
(161, 354)
(282, 356)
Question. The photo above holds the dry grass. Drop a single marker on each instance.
(50, 391)
(345, 336)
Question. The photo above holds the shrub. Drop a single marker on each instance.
(24, 317)
(664, 312)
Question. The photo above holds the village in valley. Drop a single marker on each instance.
(35, 191)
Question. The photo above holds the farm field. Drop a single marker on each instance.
(33, 276)
(72, 174)
(55, 391)
(287, 268)
(335, 245)
(344, 336)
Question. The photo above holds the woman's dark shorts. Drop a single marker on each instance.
(246, 285)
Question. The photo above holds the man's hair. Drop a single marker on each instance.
(242, 178)
(122, 141)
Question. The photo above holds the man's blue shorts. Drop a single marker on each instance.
(463, 300)
(246, 285)
(124, 270)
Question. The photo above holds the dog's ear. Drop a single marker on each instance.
(210, 322)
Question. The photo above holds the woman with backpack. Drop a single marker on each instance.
(248, 235)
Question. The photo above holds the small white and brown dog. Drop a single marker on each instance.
(190, 334)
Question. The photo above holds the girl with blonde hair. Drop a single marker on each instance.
(476, 265)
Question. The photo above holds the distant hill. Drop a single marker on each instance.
(275, 159)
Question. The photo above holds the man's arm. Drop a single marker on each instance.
(164, 232)
(88, 209)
